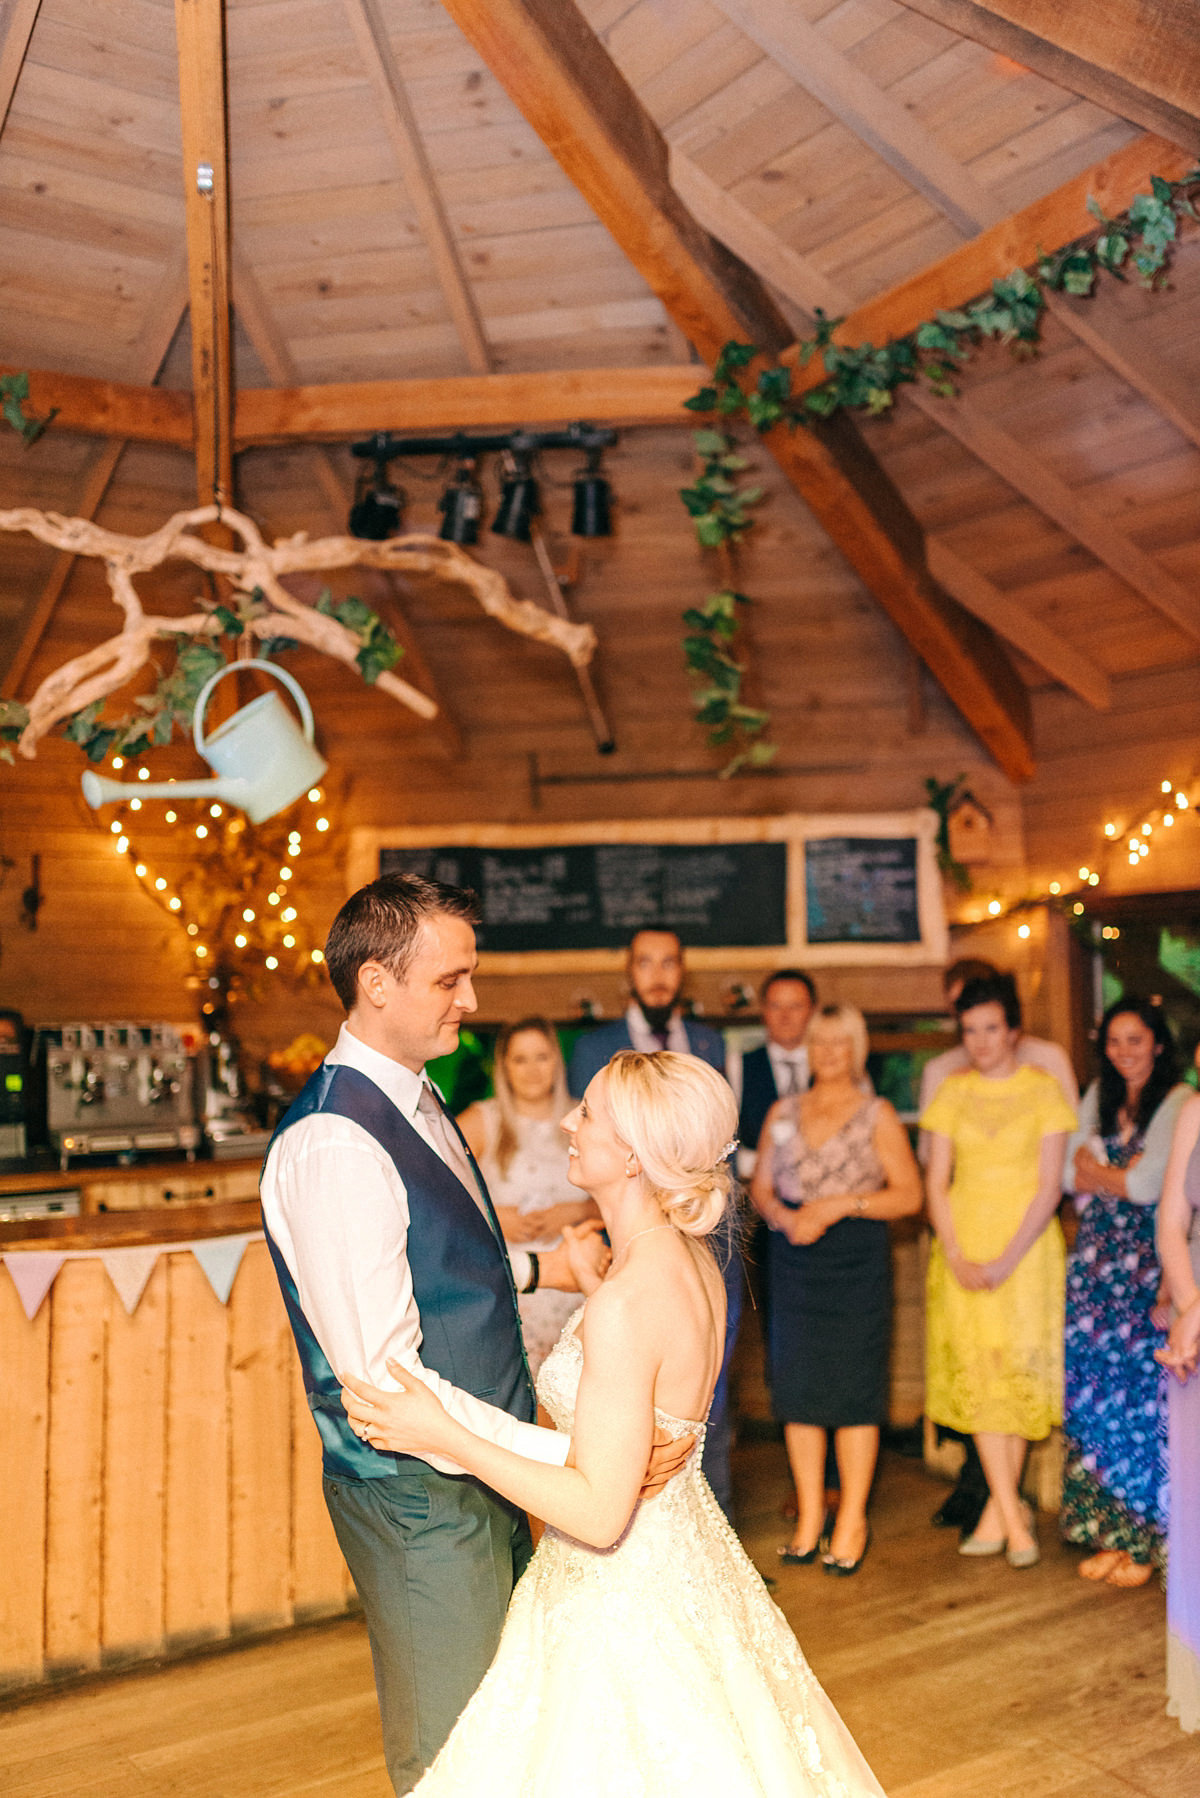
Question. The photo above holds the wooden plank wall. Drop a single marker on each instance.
(163, 1473)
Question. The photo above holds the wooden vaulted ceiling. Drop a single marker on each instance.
(428, 214)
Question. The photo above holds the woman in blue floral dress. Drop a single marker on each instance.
(1114, 1421)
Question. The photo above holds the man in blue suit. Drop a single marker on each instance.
(654, 1020)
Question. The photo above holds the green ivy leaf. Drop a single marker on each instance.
(704, 401)
(231, 624)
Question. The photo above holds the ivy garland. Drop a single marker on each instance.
(865, 378)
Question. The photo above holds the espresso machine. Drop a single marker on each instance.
(14, 1085)
(118, 1089)
(230, 1125)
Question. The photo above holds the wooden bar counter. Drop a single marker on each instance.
(162, 1483)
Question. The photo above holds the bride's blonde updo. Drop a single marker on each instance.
(679, 1117)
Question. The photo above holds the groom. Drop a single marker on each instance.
(386, 1245)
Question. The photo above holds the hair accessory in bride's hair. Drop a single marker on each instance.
(727, 1151)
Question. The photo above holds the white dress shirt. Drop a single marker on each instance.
(337, 1209)
(643, 1038)
(782, 1060)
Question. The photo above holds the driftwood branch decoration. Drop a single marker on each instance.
(256, 569)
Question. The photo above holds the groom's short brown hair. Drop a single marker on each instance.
(381, 922)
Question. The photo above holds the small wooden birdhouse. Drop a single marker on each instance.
(970, 828)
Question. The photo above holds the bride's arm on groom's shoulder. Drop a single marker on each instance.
(593, 1499)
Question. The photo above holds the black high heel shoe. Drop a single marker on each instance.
(844, 1569)
(789, 1558)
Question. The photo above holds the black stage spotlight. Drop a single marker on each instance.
(519, 500)
(378, 504)
(591, 512)
(461, 505)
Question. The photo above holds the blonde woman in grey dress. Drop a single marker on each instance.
(517, 1140)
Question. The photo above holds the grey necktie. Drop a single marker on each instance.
(447, 1144)
(789, 1079)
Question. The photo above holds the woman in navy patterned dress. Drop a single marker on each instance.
(1114, 1420)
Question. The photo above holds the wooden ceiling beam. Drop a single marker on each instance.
(562, 80)
(109, 408)
(1137, 58)
(16, 29)
(369, 30)
(651, 395)
(1027, 474)
(1097, 323)
(200, 32)
(1016, 242)
(741, 232)
(734, 225)
(1019, 626)
(888, 128)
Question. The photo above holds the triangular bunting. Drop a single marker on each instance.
(129, 1270)
(33, 1272)
(220, 1258)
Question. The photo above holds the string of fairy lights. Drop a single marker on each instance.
(237, 895)
(1136, 840)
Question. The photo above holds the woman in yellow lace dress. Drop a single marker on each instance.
(994, 1323)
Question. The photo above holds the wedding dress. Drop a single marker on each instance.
(654, 1667)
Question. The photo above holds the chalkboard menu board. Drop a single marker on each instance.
(595, 895)
(861, 890)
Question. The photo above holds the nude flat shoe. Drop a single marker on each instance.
(1129, 1573)
(976, 1546)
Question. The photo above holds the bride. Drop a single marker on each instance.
(641, 1643)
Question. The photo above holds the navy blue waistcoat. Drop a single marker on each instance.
(462, 1280)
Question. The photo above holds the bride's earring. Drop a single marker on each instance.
(631, 1167)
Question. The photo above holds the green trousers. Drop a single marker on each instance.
(435, 1559)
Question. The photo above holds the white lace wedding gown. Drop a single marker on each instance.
(654, 1667)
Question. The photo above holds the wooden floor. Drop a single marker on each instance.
(960, 1680)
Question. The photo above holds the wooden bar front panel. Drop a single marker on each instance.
(163, 1482)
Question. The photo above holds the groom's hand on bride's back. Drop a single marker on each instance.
(667, 1456)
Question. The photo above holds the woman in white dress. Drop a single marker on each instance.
(517, 1140)
(641, 1652)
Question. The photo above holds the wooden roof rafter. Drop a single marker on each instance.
(255, 317)
(562, 80)
(162, 324)
(369, 30)
(741, 232)
(880, 122)
(1137, 58)
(16, 29)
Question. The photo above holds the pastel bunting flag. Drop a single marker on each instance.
(33, 1273)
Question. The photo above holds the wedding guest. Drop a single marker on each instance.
(1114, 1402)
(834, 1164)
(780, 1065)
(519, 1145)
(656, 971)
(1179, 1252)
(1030, 1051)
(963, 1507)
(994, 1310)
